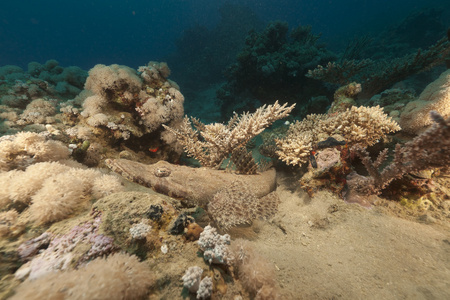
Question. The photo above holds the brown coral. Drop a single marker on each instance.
(213, 143)
(362, 126)
(431, 149)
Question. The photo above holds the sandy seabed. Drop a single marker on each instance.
(325, 248)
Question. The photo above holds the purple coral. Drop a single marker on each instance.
(60, 254)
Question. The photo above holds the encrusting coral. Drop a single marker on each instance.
(212, 143)
(431, 149)
(436, 96)
(362, 126)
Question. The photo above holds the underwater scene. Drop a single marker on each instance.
(198, 149)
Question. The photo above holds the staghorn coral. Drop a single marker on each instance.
(431, 149)
(235, 204)
(119, 276)
(362, 126)
(213, 143)
(436, 96)
(378, 75)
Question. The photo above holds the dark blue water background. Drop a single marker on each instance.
(132, 32)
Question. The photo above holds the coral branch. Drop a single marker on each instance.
(431, 149)
(213, 143)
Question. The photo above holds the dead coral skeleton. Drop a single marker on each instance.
(213, 143)
(431, 149)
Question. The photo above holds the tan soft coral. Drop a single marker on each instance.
(26, 148)
(362, 126)
(125, 103)
(254, 271)
(54, 191)
(106, 80)
(436, 96)
(119, 276)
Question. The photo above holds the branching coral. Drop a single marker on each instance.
(376, 76)
(362, 126)
(213, 143)
(272, 66)
(431, 149)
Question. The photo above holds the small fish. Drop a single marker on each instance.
(312, 158)
(153, 150)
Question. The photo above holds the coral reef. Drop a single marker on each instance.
(61, 253)
(191, 278)
(212, 143)
(378, 75)
(193, 281)
(362, 126)
(272, 66)
(431, 149)
(129, 104)
(53, 190)
(193, 231)
(344, 97)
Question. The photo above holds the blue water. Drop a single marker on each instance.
(85, 33)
